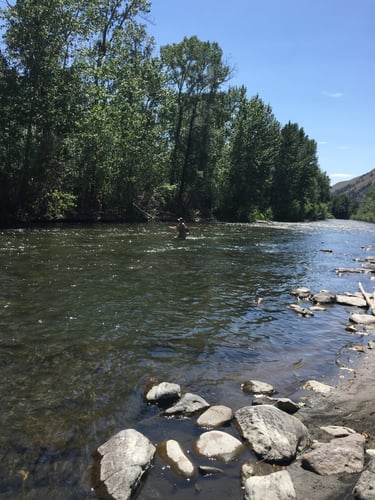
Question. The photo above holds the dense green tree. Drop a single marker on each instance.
(366, 208)
(117, 145)
(194, 73)
(251, 159)
(92, 123)
(300, 189)
(38, 40)
(10, 138)
(343, 206)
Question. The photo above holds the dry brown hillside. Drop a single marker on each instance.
(355, 188)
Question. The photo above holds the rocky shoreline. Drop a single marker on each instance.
(321, 447)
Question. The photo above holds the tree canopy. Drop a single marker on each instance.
(95, 123)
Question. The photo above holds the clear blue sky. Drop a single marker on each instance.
(313, 61)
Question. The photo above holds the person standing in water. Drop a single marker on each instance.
(182, 229)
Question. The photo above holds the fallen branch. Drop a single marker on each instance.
(367, 298)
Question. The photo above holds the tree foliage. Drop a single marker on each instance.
(94, 124)
(366, 208)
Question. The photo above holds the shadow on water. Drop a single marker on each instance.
(89, 313)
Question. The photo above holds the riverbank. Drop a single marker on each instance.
(349, 404)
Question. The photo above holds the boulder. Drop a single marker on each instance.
(165, 391)
(215, 416)
(324, 297)
(362, 319)
(273, 434)
(218, 445)
(302, 292)
(283, 404)
(188, 405)
(257, 468)
(275, 486)
(171, 453)
(123, 460)
(338, 430)
(351, 300)
(257, 387)
(314, 385)
(339, 455)
(365, 487)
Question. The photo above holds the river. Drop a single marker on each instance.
(88, 313)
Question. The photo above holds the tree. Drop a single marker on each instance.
(366, 208)
(116, 150)
(343, 206)
(38, 37)
(194, 72)
(252, 154)
(300, 189)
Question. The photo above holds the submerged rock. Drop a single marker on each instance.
(303, 311)
(123, 460)
(188, 405)
(208, 470)
(171, 452)
(272, 433)
(314, 385)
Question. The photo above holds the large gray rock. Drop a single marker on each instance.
(351, 300)
(362, 319)
(339, 455)
(188, 405)
(171, 452)
(365, 487)
(123, 460)
(275, 486)
(324, 297)
(215, 416)
(272, 433)
(219, 445)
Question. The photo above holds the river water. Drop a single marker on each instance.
(89, 313)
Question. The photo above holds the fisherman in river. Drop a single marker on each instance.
(182, 229)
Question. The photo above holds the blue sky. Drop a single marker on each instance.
(313, 61)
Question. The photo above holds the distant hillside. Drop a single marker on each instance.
(355, 188)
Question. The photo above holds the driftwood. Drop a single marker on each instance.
(369, 300)
(341, 270)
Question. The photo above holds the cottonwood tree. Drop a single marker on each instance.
(194, 73)
(119, 133)
(253, 150)
(39, 37)
(300, 189)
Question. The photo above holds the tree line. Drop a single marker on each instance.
(94, 123)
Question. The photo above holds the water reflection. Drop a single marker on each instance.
(88, 313)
